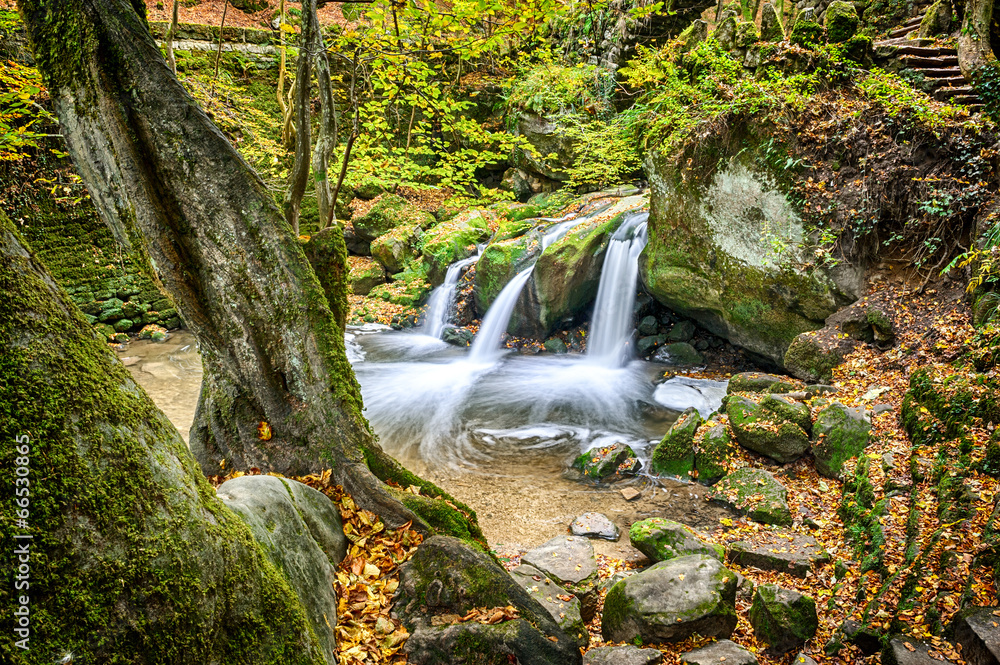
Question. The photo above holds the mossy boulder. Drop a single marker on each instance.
(674, 455)
(782, 618)
(725, 32)
(365, 274)
(813, 355)
(446, 578)
(771, 27)
(754, 382)
(715, 211)
(553, 147)
(397, 248)
(755, 493)
(694, 34)
(839, 433)
(807, 33)
(764, 432)
(746, 34)
(662, 539)
(841, 21)
(937, 20)
(407, 288)
(123, 325)
(387, 213)
(603, 462)
(569, 561)
(500, 262)
(451, 241)
(786, 408)
(713, 451)
(672, 600)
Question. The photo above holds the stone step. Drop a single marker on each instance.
(942, 61)
(941, 73)
(901, 41)
(950, 81)
(945, 93)
(967, 100)
(925, 51)
(780, 552)
(902, 32)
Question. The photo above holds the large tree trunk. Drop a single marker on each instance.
(974, 40)
(127, 554)
(326, 140)
(166, 180)
(301, 113)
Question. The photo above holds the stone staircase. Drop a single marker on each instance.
(938, 64)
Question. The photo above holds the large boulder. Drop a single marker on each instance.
(671, 601)
(388, 212)
(764, 431)
(500, 262)
(755, 493)
(662, 539)
(397, 248)
(443, 582)
(841, 21)
(563, 606)
(674, 455)
(937, 20)
(451, 241)
(724, 237)
(553, 147)
(299, 530)
(976, 631)
(839, 433)
(771, 27)
(782, 618)
(906, 650)
(569, 561)
(364, 274)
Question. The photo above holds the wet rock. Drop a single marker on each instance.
(782, 618)
(780, 552)
(755, 493)
(674, 455)
(648, 326)
(714, 450)
(457, 336)
(771, 28)
(906, 650)
(977, 630)
(625, 655)
(594, 525)
(447, 577)
(645, 345)
(671, 601)
(563, 606)
(839, 433)
(397, 247)
(723, 651)
(752, 382)
(761, 431)
(678, 353)
(452, 240)
(569, 561)
(601, 463)
(662, 539)
(299, 530)
(681, 332)
(555, 345)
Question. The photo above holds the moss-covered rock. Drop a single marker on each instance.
(813, 355)
(662, 539)
(771, 27)
(713, 451)
(725, 32)
(807, 34)
(715, 212)
(397, 248)
(755, 493)
(451, 241)
(603, 462)
(672, 600)
(563, 606)
(841, 21)
(407, 288)
(839, 433)
(553, 147)
(786, 408)
(746, 34)
(764, 432)
(937, 20)
(782, 618)
(387, 213)
(446, 578)
(753, 382)
(694, 34)
(365, 274)
(499, 262)
(674, 455)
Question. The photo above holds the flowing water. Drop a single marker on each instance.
(498, 430)
(443, 299)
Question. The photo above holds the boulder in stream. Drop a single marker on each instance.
(603, 462)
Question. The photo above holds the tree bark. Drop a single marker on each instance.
(166, 180)
(171, 33)
(974, 40)
(326, 140)
(132, 556)
(299, 176)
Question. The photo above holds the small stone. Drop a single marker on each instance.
(624, 655)
(631, 494)
(752, 382)
(678, 353)
(723, 651)
(594, 525)
(648, 326)
(803, 659)
(457, 336)
(681, 332)
(384, 626)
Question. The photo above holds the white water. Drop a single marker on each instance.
(443, 299)
(611, 324)
(486, 345)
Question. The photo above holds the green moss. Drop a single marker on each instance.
(807, 34)
(714, 450)
(674, 455)
(453, 240)
(841, 21)
(498, 265)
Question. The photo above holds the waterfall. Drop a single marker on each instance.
(486, 346)
(443, 298)
(611, 325)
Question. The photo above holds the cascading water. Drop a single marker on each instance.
(486, 346)
(443, 298)
(611, 325)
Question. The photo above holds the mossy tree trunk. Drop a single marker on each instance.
(301, 113)
(132, 558)
(167, 181)
(979, 36)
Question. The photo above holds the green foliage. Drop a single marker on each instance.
(986, 82)
(22, 100)
(808, 34)
(549, 89)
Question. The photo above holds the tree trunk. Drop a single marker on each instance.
(166, 180)
(326, 140)
(301, 108)
(171, 33)
(974, 38)
(132, 557)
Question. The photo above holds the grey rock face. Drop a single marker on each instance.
(782, 618)
(563, 606)
(780, 552)
(723, 651)
(626, 655)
